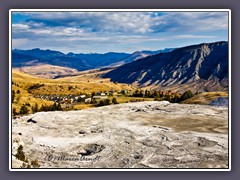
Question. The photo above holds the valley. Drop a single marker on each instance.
(149, 109)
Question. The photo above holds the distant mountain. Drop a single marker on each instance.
(24, 60)
(38, 53)
(95, 60)
(139, 55)
(33, 57)
(158, 51)
(203, 63)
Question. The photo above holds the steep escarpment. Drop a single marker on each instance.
(207, 62)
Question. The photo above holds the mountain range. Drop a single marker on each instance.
(34, 57)
(202, 67)
(205, 65)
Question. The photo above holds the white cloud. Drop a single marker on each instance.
(134, 22)
(20, 26)
(75, 29)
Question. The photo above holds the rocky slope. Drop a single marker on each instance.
(133, 135)
(205, 63)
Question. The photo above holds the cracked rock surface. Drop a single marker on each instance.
(132, 135)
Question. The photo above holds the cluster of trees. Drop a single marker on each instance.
(106, 102)
(148, 94)
(160, 96)
(24, 108)
(54, 107)
(22, 157)
(114, 101)
(186, 95)
(175, 98)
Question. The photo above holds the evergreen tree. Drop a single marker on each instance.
(186, 95)
(23, 109)
(42, 108)
(101, 103)
(35, 108)
(20, 154)
(35, 164)
(54, 107)
(14, 111)
(59, 107)
(114, 101)
(107, 102)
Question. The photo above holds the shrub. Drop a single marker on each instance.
(35, 108)
(20, 154)
(107, 102)
(186, 95)
(14, 112)
(101, 103)
(114, 101)
(23, 109)
(35, 164)
(54, 107)
(104, 102)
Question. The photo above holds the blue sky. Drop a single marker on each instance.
(101, 32)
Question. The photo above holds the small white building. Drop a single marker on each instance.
(100, 97)
(82, 96)
(88, 100)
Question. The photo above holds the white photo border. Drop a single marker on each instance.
(120, 10)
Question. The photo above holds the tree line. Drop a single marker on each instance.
(25, 110)
(161, 96)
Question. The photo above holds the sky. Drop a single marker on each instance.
(101, 32)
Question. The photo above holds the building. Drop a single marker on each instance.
(100, 97)
(88, 100)
(83, 96)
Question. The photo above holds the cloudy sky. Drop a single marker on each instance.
(100, 32)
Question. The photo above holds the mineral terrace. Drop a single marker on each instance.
(132, 135)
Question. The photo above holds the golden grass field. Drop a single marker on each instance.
(83, 83)
(79, 84)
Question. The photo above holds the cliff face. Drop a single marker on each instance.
(207, 62)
